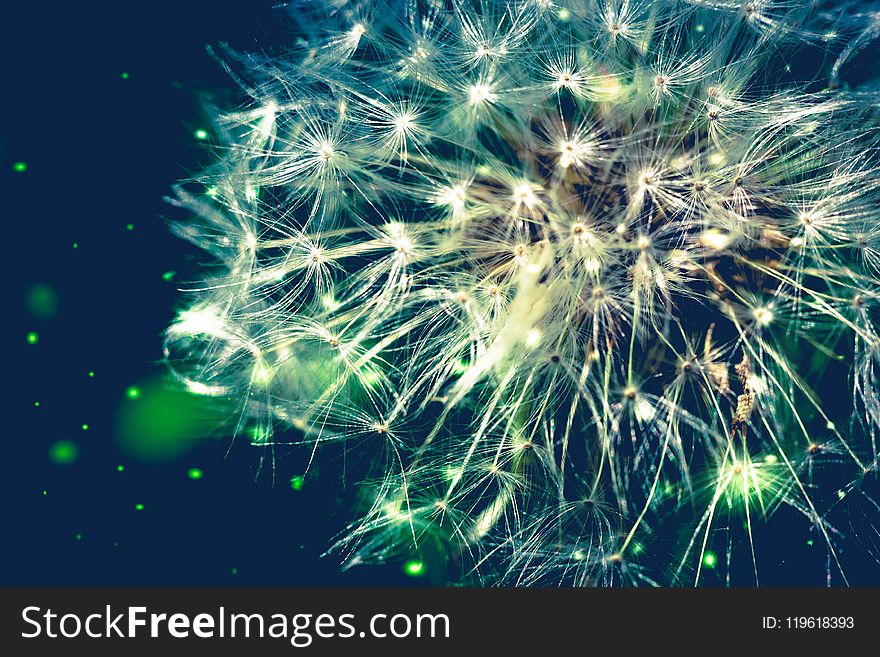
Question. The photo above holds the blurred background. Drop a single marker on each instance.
(109, 474)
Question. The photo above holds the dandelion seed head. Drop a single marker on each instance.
(573, 277)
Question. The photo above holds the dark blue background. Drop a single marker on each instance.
(101, 153)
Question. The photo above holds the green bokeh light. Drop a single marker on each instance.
(258, 435)
(42, 301)
(201, 134)
(19, 167)
(195, 473)
(64, 452)
(167, 422)
(414, 568)
(138, 507)
(124, 75)
(296, 483)
(709, 560)
(33, 337)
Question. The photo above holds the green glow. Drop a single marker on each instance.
(78, 536)
(747, 483)
(296, 483)
(133, 392)
(168, 276)
(262, 373)
(709, 560)
(371, 377)
(330, 302)
(91, 375)
(452, 473)
(138, 507)
(259, 435)
(810, 542)
(165, 423)
(201, 134)
(195, 473)
(37, 404)
(85, 427)
(414, 568)
(19, 167)
(770, 458)
(75, 245)
(64, 452)
(234, 571)
(33, 337)
(42, 301)
(120, 468)
(129, 226)
(124, 75)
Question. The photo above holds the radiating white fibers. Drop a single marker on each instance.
(575, 277)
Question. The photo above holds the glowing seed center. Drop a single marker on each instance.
(403, 123)
(533, 337)
(523, 195)
(763, 315)
(481, 93)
